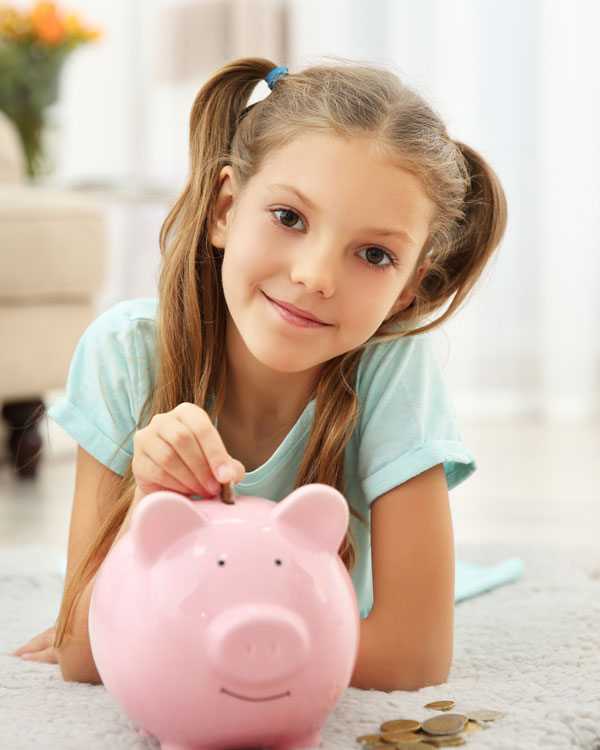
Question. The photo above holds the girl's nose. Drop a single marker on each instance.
(316, 270)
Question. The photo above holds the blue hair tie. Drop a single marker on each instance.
(275, 75)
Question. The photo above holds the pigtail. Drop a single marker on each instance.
(215, 115)
(192, 312)
(454, 269)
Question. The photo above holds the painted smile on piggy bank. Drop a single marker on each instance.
(219, 625)
(246, 698)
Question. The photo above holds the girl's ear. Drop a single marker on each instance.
(407, 295)
(223, 205)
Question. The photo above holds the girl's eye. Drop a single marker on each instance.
(287, 218)
(377, 257)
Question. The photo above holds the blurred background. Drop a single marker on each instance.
(518, 80)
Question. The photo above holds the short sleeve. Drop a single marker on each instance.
(407, 423)
(110, 377)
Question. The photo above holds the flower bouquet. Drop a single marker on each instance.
(33, 47)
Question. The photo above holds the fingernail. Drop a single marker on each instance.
(224, 473)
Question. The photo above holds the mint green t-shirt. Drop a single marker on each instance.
(406, 422)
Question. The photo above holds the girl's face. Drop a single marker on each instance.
(329, 227)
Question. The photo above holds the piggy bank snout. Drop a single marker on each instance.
(257, 643)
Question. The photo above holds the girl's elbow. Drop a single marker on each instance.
(423, 667)
(430, 672)
(74, 668)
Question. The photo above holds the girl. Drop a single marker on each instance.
(322, 232)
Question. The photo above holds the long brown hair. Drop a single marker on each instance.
(343, 99)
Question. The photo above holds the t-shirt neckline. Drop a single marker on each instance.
(291, 441)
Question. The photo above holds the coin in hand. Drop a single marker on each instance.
(228, 493)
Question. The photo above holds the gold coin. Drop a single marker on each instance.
(450, 741)
(441, 705)
(228, 493)
(472, 726)
(448, 724)
(485, 714)
(402, 725)
(369, 739)
(393, 738)
(378, 746)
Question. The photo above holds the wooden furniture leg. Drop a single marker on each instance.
(24, 442)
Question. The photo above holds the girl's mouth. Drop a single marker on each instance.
(292, 317)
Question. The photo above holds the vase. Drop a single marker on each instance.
(29, 85)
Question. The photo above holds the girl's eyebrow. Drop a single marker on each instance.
(399, 233)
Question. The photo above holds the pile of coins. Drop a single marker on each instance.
(448, 730)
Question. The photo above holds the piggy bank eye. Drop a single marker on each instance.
(277, 562)
(222, 561)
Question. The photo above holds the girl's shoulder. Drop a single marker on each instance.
(125, 322)
(128, 312)
(120, 339)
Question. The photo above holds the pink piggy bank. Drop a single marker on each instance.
(218, 627)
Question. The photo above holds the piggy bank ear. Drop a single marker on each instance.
(160, 519)
(317, 511)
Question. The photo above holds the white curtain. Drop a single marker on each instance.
(519, 80)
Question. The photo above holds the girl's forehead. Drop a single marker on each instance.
(327, 158)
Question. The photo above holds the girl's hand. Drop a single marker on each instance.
(182, 451)
(39, 648)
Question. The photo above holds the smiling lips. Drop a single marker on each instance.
(295, 315)
(246, 698)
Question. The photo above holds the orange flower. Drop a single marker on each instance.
(12, 24)
(47, 24)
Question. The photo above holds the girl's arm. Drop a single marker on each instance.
(95, 491)
(406, 642)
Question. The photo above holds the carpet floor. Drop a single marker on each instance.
(529, 649)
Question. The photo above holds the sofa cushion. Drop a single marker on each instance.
(52, 244)
(38, 342)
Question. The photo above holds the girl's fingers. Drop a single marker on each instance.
(152, 475)
(183, 451)
(212, 463)
(41, 641)
(151, 466)
(189, 462)
(239, 470)
(47, 656)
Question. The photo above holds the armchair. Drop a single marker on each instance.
(52, 263)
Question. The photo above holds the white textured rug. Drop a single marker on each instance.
(530, 649)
